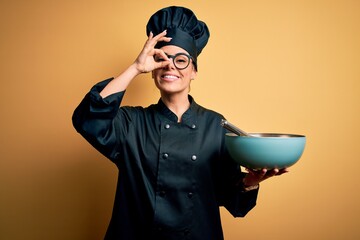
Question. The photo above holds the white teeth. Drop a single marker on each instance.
(170, 76)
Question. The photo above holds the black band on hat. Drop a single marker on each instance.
(181, 39)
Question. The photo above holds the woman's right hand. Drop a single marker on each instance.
(145, 61)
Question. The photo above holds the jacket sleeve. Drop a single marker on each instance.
(94, 119)
(238, 201)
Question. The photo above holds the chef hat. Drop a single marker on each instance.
(183, 27)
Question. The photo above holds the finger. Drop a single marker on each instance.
(165, 39)
(272, 172)
(253, 171)
(161, 64)
(160, 35)
(282, 171)
(153, 40)
(161, 53)
(166, 60)
(260, 174)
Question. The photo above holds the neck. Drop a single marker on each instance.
(177, 103)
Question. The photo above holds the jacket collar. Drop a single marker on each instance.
(189, 116)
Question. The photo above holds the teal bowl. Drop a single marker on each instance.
(265, 150)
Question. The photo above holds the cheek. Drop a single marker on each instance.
(193, 74)
(189, 73)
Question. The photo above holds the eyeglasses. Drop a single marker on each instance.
(180, 60)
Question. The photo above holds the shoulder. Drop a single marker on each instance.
(208, 117)
(206, 112)
(137, 111)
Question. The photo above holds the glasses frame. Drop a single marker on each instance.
(175, 56)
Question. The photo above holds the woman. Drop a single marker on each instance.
(174, 170)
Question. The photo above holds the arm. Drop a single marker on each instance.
(95, 117)
(235, 196)
(241, 197)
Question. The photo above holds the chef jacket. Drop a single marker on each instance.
(173, 176)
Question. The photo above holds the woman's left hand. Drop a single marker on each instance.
(254, 177)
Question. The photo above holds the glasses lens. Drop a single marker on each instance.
(181, 61)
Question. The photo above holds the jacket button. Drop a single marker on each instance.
(190, 195)
(165, 155)
(193, 157)
(193, 126)
(167, 126)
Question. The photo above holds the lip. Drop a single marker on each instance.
(169, 77)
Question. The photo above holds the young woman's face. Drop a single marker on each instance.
(170, 79)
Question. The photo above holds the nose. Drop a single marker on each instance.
(171, 65)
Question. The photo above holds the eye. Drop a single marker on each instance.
(181, 59)
(159, 59)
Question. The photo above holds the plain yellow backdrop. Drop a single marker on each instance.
(270, 66)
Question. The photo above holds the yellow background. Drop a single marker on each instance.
(270, 66)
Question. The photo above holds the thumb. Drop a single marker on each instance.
(162, 64)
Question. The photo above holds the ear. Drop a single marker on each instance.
(193, 74)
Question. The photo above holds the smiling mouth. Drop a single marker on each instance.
(169, 77)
